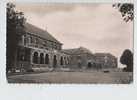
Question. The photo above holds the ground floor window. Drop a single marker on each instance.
(89, 65)
(61, 61)
(46, 59)
(35, 58)
(54, 61)
(41, 58)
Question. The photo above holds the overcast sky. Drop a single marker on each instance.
(98, 27)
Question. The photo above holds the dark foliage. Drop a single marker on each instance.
(30, 70)
(15, 27)
(127, 59)
(127, 10)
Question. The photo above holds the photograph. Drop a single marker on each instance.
(69, 43)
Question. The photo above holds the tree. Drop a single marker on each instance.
(127, 59)
(15, 28)
(126, 9)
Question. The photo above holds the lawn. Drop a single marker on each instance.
(92, 77)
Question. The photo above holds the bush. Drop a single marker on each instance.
(127, 59)
(30, 70)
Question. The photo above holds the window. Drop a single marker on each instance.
(36, 40)
(35, 58)
(29, 40)
(46, 59)
(61, 60)
(55, 61)
(41, 58)
(44, 43)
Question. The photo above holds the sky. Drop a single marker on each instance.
(98, 27)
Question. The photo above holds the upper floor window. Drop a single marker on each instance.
(29, 40)
(36, 40)
(45, 43)
(25, 40)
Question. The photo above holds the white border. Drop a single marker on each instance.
(56, 91)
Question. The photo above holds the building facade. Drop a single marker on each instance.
(105, 60)
(83, 58)
(37, 49)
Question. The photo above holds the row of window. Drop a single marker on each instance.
(26, 39)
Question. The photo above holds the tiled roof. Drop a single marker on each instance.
(77, 51)
(40, 32)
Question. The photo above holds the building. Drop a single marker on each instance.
(38, 50)
(105, 60)
(85, 59)
(79, 57)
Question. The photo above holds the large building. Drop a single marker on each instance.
(85, 59)
(79, 57)
(38, 49)
(105, 60)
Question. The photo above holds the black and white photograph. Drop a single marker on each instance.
(69, 43)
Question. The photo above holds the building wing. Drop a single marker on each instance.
(77, 51)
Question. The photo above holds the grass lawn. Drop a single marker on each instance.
(74, 77)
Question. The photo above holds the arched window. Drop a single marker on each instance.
(89, 65)
(35, 58)
(54, 61)
(41, 58)
(46, 59)
(61, 60)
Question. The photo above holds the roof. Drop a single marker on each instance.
(40, 32)
(77, 51)
(103, 54)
